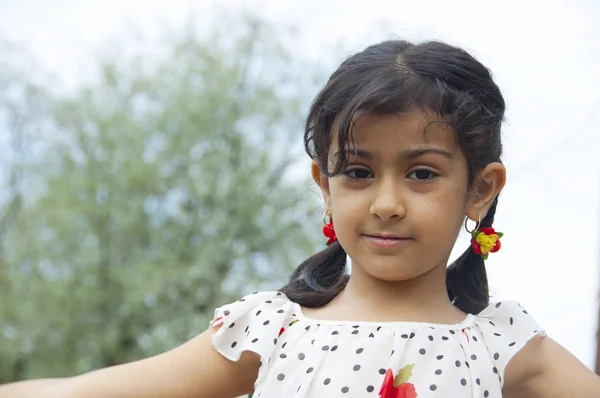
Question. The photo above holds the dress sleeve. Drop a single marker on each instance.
(252, 323)
(506, 328)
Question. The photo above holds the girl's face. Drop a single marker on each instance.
(400, 203)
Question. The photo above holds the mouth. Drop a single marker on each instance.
(386, 240)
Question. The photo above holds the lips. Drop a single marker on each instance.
(386, 236)
(384, 240)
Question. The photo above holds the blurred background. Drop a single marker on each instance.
(152, 166)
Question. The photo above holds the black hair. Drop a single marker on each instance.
(395, 77)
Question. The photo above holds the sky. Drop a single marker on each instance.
(544, 55)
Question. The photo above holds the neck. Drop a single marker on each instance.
(422, 298)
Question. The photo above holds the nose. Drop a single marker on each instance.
(388, 201)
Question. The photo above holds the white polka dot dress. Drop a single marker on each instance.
(311, 358)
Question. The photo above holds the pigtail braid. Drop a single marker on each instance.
(466, 278)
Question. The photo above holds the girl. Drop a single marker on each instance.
(405, 142)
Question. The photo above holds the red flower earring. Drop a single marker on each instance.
(328, 229)
(484, 240)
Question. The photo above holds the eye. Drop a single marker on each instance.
(358, 174)
(422, 174)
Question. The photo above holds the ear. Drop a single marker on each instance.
(322, 181)
(490, 182)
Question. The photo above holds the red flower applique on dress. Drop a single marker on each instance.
(398, 387)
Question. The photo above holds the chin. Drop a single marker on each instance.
(391, 274)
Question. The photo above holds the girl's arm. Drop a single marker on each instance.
(193, 370)
(545, 369)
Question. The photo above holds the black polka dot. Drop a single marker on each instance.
(474, 357)
(356, 367)
(452, 332)
(282, 355)
(312, 341)
(345, 389)
(511, 320)
(512, 344)
(378, 328)
(355, 331)
(298, 388)
(309, 369)
(498, 305)
(438, 372)
(325, 348)
(327, 381)
(307, 328)
(334, 332)
(254, 340)
(265, 323)
(360, 350)
(335, 347)
(497, 334)
(457, 363)
(492, 323)
(280, 311)
(478, 381)
(301, 356)
(433, 387)
(495, 370)
(467, 364)
(233, 344)
(371, 335)
(382, 371)
(268, 301)
(275, 341)
(496, 356)
(422, 351)
(430, 338)
(463, 382)
(232, 325)
(474, 338)
(226, 312)
(404, 336)
(370, 388)
(411, 336)
(440, 357)
(486, 393)
(445, 338)
(258, 312)
(280, 376)
(246, 330)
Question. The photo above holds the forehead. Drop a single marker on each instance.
(393, 132)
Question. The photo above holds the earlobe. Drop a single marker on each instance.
(321, 180)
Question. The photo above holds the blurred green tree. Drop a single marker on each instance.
(161, 191)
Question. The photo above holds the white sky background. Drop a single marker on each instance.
(545, 55)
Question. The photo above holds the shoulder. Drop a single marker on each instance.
(252, 324)
(533, 364)
(506, 328)
(545, 369)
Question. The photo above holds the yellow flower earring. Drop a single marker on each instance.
(485, 240)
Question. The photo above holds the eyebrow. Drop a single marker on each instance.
(407, 154)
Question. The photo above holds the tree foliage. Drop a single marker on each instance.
(154, 195)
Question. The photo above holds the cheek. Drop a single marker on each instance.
(439, 219)
(348, 209)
